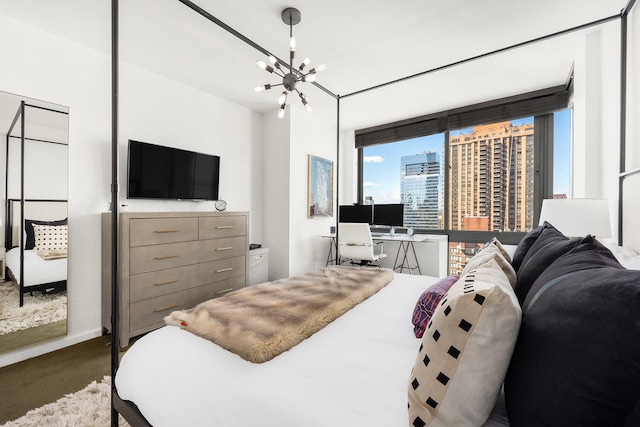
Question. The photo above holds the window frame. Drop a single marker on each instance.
(541, 104)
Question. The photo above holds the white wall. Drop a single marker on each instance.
(153, 109)
(275, 187)
(311, 134)
(293, 239)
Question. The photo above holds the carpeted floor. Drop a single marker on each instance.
(38, 309)
(90, 406)
(36, 334)
(44, 379)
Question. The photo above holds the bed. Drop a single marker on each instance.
(365, 366)
(44, 262)
(352, 372)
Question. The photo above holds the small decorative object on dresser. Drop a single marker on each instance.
(172, 261)
(221, 205)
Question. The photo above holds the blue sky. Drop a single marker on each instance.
(382, 162)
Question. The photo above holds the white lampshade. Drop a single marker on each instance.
(577, 217)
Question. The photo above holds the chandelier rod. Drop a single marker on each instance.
(245, 39)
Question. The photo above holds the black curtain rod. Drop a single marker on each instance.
(245, 39)
(484, 55)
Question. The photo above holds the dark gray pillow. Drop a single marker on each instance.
(525, 244)
(576, 359)
(550, 245)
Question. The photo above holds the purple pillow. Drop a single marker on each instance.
(428, 302)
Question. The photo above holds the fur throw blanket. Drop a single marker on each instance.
(260, 322)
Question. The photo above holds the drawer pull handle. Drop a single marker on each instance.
(224, 227)
(224, 291)
(222, 270)
(165, 257)
(226, 248)
(166, 231)
(165, 283)
(165, 308)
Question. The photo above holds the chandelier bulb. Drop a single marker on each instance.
(317, 69)
(262, 88)
(272, 59)
(304, 63)
(282, 99)
(309, 77)
(292, 44)
(264, 66)
(281, 111)
(305, 102)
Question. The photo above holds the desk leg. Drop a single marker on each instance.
(330, 257)
(413, 249)
(404, 248)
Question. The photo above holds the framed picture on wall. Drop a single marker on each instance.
(319, 187)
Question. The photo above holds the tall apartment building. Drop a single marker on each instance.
(421, 189)
(491, 177)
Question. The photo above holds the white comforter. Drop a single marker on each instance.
(354, 372)
(36, 270)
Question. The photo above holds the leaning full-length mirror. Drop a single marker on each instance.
(34, 163)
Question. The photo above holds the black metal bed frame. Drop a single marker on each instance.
(128, 409)
(20, 115)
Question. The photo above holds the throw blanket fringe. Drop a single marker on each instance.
(260, 322)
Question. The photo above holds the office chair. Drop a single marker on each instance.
(356, 244)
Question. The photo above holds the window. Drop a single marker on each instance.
(471, 173)
(408, 172)
(493, 190)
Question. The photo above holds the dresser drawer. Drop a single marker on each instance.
(152, 311)
(143, 259)
(212, 227)
(154, 231)
(149, 285)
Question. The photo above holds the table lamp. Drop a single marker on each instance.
(577, 217)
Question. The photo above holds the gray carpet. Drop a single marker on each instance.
(33, 335)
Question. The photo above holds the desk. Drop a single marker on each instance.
(406, 258)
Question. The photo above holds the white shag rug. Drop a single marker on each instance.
(37, 309)
(90, 406)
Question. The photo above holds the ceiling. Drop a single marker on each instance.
(363, 44)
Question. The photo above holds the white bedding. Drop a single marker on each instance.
(354, 372)
(36, 270)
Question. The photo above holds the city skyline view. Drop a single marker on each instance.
(382, 163)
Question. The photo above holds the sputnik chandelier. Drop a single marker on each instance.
(290, 76)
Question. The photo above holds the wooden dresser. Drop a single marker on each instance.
(171, 261)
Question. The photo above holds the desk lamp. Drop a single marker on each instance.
(577, 217)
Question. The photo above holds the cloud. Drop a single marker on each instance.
(369, 184)
(373, 159)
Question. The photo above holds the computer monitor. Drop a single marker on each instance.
(389, 214)
(356, 213)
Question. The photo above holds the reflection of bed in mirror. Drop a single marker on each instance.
(44, 257)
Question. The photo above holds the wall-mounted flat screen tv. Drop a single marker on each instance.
(159, 172)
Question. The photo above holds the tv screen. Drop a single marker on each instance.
(389, 214)
(355, 213)
(159, 172)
